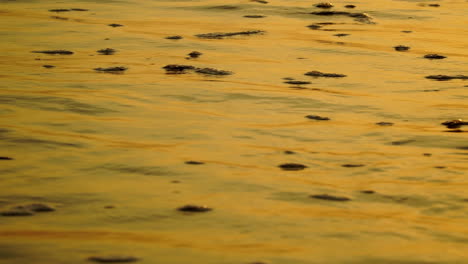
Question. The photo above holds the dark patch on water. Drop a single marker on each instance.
(401, 48)
(181, 69)
(323, 74)
(36, 207)
(174, 37)
(434, 56)
(59, 18)
(178, 68)
(225, 7)
(447, 237)
(457, 123)
(254, 16)
(114, 70)
(190, 208)
(443, 77)
(211, 71)
(352, 165)
(297, 82)
(259, 1)
(193, 162)
(54, 52)
(384, 124)
(142, 170)
(49, 103)
(316, 117)
(194, 54)
(402, 142)
(114, 25)
(42, 142)
(58, 10)
(328, 197)
(292, 166)
(15, 213)
(324, 5)
(221, 35)
(360, 17)
(106, 51)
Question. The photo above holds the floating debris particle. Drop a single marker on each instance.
(211, 71)
(407, 31)
(117, 69)
(330, 197)
(107, 51)
(16, 212)
(434, 56)
(260, 1)
(54, 52)
(113, 259)
(254, 16)
(177, 68)
(225, 7)
(352, 165)
(316, 117)
(314, 26)
(331, 13)
(79, 9)
(457, 123)
(195, 54)
(289, 152)
(115, 25)
(59, 17)
(174, 37)
(58, 10)
(36, 207)
(192, 162)
(292, 166)
(341, 35)
(368, 191)
(401, 48)
(194, 208)
(324, 5)
(402, 142)
(297, 82)
(6, 158)
(48, 66)
(350, 6)
(434, 5)
(441, 77)
(384, 124)
(455, 131)
(220, 35)
(322, 74)
(360, 17)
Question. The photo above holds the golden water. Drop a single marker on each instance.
(82, 140)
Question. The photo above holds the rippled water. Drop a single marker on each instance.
(109, 151)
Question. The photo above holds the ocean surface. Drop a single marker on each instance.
(348, 164)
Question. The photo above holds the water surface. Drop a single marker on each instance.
(109, 151)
